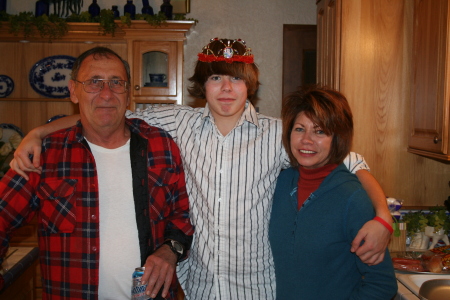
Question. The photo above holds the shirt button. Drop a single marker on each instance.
(220, 199)
(94, 249)
(94, 217)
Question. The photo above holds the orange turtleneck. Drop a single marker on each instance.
(310, 180)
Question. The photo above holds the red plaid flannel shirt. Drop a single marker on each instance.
(65, 199)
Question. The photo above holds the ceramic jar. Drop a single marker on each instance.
(167, 8)
(94, 9)
(146, 8)
(130, 8)
(42, 8)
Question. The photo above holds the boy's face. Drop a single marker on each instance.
(226, 96)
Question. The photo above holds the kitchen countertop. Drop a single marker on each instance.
(409, 283)
(18, 259)
(403, 293)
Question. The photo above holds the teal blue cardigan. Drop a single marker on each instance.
(311, 246)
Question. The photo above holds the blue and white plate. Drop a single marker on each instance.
(50, 76)
(8, 129)
(6, 86)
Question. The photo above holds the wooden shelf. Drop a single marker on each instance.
(36, 99)
(427, 207)
(438, 156)
(90, 32)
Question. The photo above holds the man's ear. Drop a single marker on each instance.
(73, 96)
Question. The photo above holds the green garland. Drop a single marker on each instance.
(439, 219)
(417, 221)
(54, 27)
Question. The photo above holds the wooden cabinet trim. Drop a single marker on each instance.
(87, 32)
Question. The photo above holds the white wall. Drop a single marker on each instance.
(258, 22)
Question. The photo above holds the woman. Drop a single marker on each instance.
(311, 231)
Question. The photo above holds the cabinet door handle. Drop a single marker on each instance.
(436, 139)
(137, 87)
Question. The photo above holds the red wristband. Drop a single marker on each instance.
(385, 224)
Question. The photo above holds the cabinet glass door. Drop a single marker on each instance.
(155, 71)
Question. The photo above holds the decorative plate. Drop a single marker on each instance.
(50, 76)
(6, 86)
(10, 128)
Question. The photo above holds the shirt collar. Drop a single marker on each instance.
(135, 125)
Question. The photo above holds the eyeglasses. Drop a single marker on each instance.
(96, 85)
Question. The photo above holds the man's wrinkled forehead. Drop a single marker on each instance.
(102, 66)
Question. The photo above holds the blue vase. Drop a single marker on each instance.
(115, 11)
(146, 8)
(42, 8)
(94, 9)
(3, 5)
(166, 8)
(130, 8)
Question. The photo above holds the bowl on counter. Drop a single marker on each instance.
(415, 281)
(435, 289)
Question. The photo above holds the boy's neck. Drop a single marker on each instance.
(225, 126)
(226, 123)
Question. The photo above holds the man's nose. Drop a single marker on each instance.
(106, 90)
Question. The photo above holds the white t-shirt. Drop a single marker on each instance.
(119, 242)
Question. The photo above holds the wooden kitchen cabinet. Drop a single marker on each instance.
(328, 42)
(18, 272)
(430, 93)
(156, 60)
(157, 51)
(365, 50)
(152, 59)
(26, 236)
(148, 49)
(23, 288)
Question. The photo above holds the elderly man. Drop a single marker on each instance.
(111, 195)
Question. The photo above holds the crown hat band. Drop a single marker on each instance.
(227, 53)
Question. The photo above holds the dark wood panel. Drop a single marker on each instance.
(299, 56)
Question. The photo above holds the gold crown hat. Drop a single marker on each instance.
(226, 50)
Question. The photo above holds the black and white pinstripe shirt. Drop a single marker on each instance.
(230, 180)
